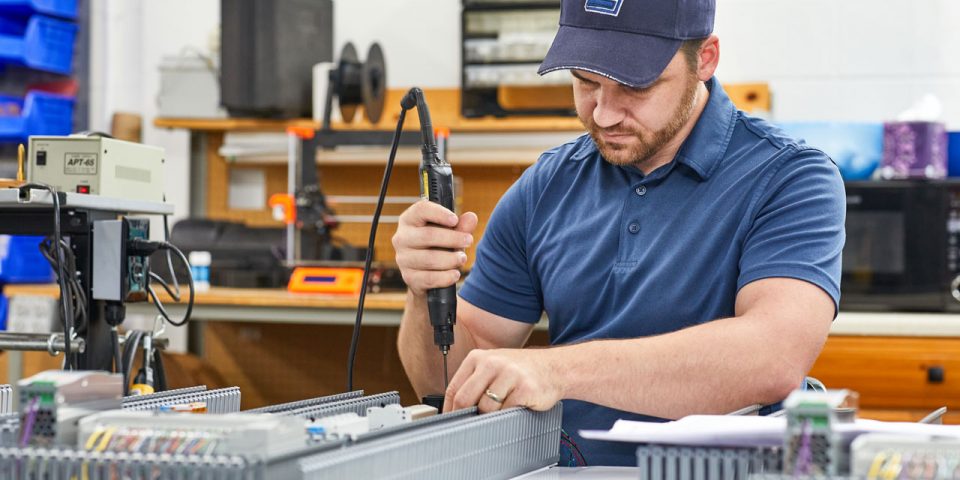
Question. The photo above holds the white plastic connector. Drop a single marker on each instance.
(338, 426)
(390, 415)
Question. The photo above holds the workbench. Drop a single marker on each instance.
(239, 331)
(888, 357)
(278, 306)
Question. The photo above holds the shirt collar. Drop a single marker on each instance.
(707, 143)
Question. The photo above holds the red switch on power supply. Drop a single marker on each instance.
(83, 188)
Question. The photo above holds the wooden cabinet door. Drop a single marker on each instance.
(893, 372)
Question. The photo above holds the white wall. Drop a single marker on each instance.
(129, 38)
(420, 38)
(824, 59)
(853, 60)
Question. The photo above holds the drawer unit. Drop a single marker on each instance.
(893, 372)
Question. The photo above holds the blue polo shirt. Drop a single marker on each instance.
(608, 252)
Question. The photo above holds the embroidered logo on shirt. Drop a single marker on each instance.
(604, 7)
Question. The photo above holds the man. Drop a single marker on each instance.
(687, 256)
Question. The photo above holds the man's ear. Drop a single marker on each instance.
(709, 58)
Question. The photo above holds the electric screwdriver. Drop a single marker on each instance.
(436, 185)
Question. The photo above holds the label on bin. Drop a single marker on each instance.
(80, 164)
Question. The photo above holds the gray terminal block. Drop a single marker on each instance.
(461, 444)
(6, 399)
(501, 444)
(163, 394)
(9, 429)
(223, 400)
(283, 408)
(670, 462)
(70, 464)
(256, 435)
(53, 402)
(353, 405)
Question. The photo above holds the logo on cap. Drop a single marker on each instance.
(604, 7)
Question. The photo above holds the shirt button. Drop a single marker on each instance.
(641, 190)
(633, 227)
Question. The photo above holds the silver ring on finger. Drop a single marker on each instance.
(494, 396)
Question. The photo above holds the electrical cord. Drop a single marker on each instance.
(76, 293)
(117, 357)
(574, 449)
(159, 374)
(163, 311)
(355, 339)
(173, 275)
(175, 295)
(66, 304)
(129, 356)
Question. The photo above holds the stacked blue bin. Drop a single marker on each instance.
(21, 262)
(37, 34)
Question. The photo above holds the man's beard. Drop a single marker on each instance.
(648, 143)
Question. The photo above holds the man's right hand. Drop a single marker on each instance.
(430, 243)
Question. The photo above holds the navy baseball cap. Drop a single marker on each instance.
(629, 41)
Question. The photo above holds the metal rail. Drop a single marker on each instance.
(51, 343)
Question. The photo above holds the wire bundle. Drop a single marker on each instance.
(152, 440)
(30, 418)
(804, 459)
(576, 456)
(66, 302)
(75, 292)
(891, 465)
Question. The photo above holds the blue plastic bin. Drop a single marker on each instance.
(4, 306)
(21, 260)
(41, 43)
(953, 154)
(41, 113)
(856, 148)
(58, 8)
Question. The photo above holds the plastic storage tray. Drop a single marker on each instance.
(21, 260)
(58, 8)
(4, 307)
(40, 113)
(40, 42)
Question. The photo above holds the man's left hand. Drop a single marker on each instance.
(515, 377)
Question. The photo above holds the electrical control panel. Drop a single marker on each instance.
(119, 275)
(97, 166)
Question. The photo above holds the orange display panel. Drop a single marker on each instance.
(347, 281)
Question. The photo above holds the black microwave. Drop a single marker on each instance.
(902, 248)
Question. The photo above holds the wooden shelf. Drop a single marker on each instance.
(409, 156)
(444, 110)
(247, 297)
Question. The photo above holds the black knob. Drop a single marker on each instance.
(935, 374)
(434, 400)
